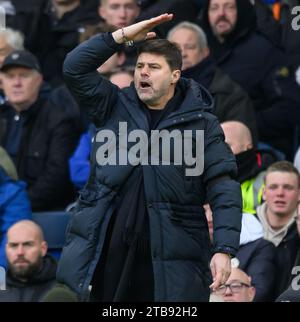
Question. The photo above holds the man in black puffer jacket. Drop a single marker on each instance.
(138, 231)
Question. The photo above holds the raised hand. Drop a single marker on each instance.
(141, 30)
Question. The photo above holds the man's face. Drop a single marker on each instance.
(222, 17)
(281, 193)
(24, 251)
(238, 290)
(119, 13)
(5, 49)
(21, 86)
(190, 50)
(153, 79)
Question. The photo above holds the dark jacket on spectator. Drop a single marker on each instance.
(50, 38)
(261, 68)
(257, 259)
(47, 141)
(180, 247)
(231, 102)
(286, 254)
(35, 288)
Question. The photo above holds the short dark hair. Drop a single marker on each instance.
(163, 47)
(283, 166)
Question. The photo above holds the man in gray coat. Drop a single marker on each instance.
(138, 231)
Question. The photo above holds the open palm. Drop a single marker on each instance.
(141, 30)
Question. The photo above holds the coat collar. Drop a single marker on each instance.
(197, 99)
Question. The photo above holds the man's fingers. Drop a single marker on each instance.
(159, 19)
(217, 281)
(213, 271)
(220, 278)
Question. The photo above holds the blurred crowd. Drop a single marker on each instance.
(246, 54)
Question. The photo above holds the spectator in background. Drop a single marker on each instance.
(277, 216)
(31, 272)
(292, 294)
(231, 102)
(277, 23)
(238, 287)
(52, 29)
(36, 134)
(10, 40)
(14, 203)
(251, 163)
(260, 67)
(119, 13)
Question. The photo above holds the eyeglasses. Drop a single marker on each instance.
(235, 288)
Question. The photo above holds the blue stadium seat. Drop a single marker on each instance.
(53, 224)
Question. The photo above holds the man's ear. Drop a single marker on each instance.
(44, 248)
(252, 292)
(101, 12)
(264, 193)
(175, 76)
(206, 52)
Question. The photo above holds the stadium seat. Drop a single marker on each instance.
(53, 224)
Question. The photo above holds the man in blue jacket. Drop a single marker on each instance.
(138, 231)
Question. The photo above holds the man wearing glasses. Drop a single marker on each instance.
(238, 288)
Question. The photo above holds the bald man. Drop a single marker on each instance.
(238, 288)
(31, 272)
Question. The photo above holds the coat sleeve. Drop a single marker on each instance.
(223, 193)
(93, 93)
